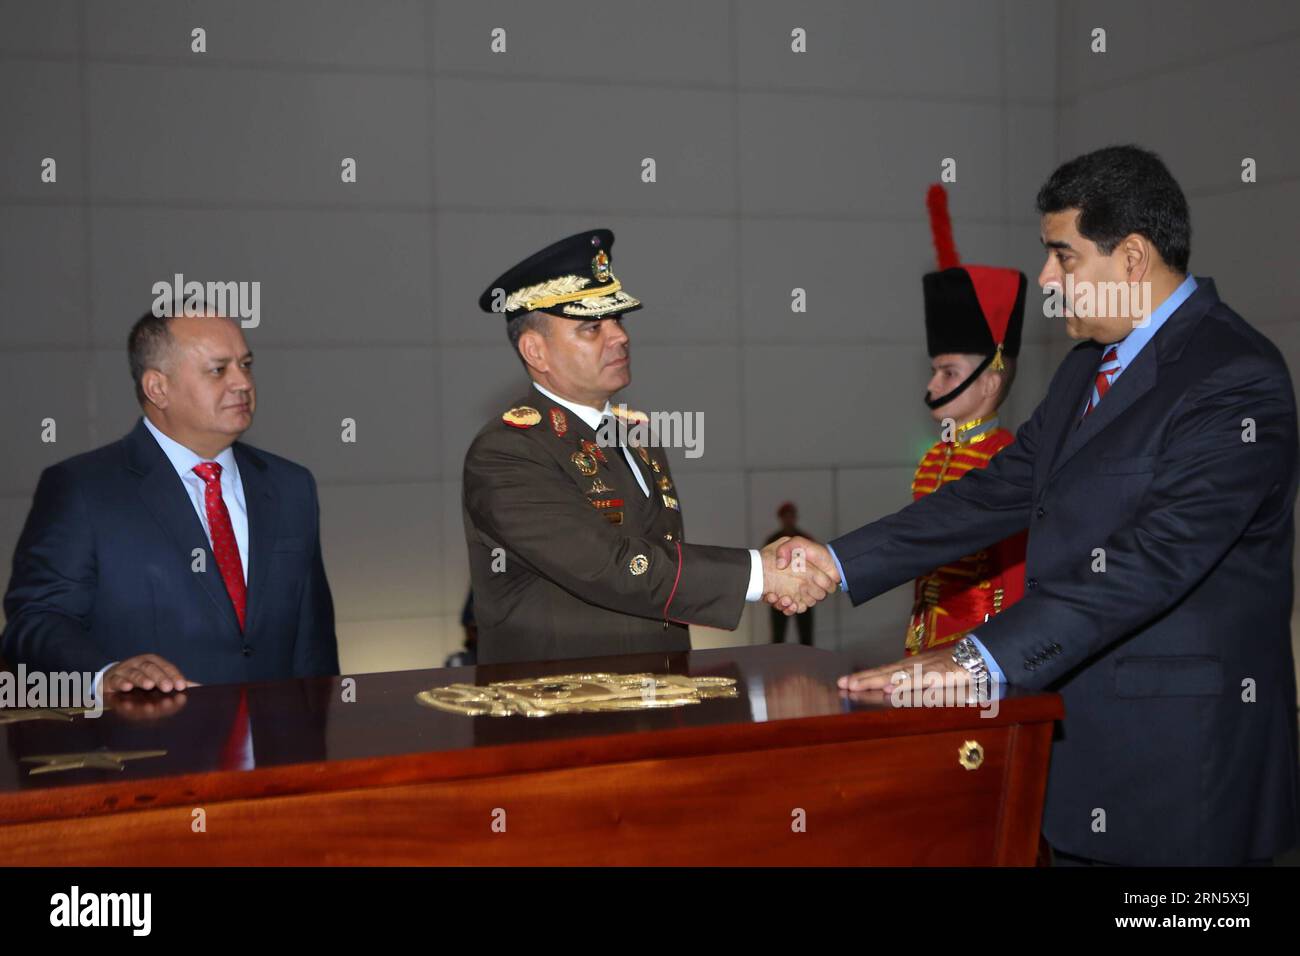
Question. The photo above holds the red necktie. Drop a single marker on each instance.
(224, 546)
(1106, 373)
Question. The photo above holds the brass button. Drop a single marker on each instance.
(668, 536)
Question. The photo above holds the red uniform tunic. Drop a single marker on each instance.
(956, 598)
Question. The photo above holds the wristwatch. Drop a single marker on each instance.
(968, 656)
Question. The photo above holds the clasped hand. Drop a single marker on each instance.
(797, 573)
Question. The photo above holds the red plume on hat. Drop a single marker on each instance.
(945, 250)
(976, 309)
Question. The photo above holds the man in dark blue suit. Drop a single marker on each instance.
(1157, 480)
(177, 555)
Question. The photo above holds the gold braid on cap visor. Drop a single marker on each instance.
(553, 292)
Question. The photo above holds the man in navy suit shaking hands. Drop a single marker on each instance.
(1157, 481)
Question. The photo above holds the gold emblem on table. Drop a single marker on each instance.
(576, 693)
(102, 759)
(17, 715)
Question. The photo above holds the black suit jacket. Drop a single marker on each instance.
(103, 571)
(1179, 740)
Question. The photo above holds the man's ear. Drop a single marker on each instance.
(154, 385)
(1138, 253)
(532, 346)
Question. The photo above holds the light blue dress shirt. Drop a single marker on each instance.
(1126, 351)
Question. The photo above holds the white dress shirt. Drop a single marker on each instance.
(593, 418)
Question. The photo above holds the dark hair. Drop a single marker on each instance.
(521, 323)
(1121, 190)
(150, 340)
(148, 343)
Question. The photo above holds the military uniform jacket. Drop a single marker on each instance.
(955, 598)
(569, 558)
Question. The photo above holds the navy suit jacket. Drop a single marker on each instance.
(103, 571)
(1179, 739)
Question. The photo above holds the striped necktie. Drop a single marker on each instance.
(1106, 373)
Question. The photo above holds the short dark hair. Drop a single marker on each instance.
(1121, 190)
(150, 340)
(148, 343)
(521, 323)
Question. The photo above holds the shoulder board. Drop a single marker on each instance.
(521, 417)
(629, 414)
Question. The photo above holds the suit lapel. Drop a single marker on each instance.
(165, 498)
(260, 499)
(1133, 382)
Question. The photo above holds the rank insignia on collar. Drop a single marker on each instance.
(522, 417)
(594, 450)
(559, 423)
(585, 463)
(671, 502)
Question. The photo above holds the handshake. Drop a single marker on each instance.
(797, 573)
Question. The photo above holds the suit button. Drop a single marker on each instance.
(1031, 583)
(1041, 511)
(248, 651)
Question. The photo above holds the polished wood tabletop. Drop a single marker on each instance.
(324, 734)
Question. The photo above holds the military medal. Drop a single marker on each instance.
(671, 502)
(638, 564)
(599, 487)
(643, 455)
(665, 484)
(607, 503)
(559, 423)
(586, 464)
(594, 450)
(522, 417)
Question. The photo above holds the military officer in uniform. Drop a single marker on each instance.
(973, 320)
(575, 537)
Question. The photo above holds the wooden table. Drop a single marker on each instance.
(788, 772)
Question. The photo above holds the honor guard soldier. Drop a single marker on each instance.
(576, 545)
(973, 320)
